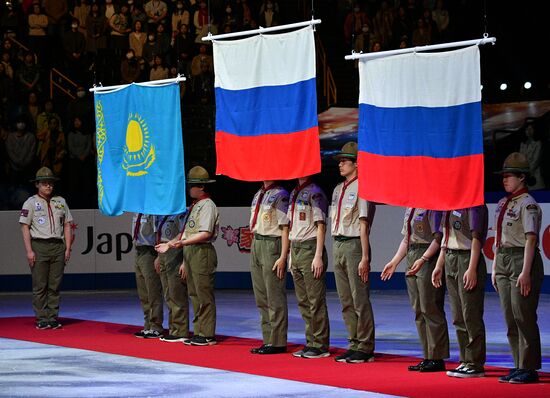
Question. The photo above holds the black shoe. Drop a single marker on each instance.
(525, 376)
(202, 341)
(436, 365)
(300, 353)
(271, 349)
(360, 357)
(256, 350)
(173, 339)
(344, 356)
(42, 325)
(55, 325)
(314, 353)
(418, 366)
(509, 376)
(152, 334)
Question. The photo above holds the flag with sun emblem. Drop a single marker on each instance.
(140, 150)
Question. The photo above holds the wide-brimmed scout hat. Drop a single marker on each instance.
(45, 174)
(515, 163)
(349, 151)
(198, 175)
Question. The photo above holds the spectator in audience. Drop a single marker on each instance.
(130, 69)
(402, 26)
(156, 11)
(163, 40)
(38, 22)
(430, 25)
(81, 12)
(81, 107)
(6, 90)
(11, 19)
(229, 18)
(158, 71)
(201, 22)
(43, 119)
(383, 22)
(96, 39)
(353, 24)
(247, 16)
(51, 149)
(120, 30)
(269, 16)
(138, 38)
(203, 86)
(74, 44)
(182, 44)
(8, 67)
(57, 11)
(531, 148)
(21, 152)
(180, 16)
(28, 75)
(80, 173)
(442, 19)
(150, 49)
(110, 9)
(203, 58)
(31, 109)
(137, 14)
(421, 35)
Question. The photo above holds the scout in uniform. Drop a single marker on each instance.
(199, 256)
(307, 213)
(464, 233)
(269, 224)
(46, 227)
(147, 277)
(517, 271)
(420, 244)
(351, 219)
(174, 288)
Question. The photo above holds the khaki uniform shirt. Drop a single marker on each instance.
(168, 227)
(523, 215)
(462, 224)
(346, 210)
(145, 233)
(424, 224)
(203, 217)
(45, 219)
(272, 212)
(306, 208)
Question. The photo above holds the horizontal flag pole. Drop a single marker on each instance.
(382, 54)
(179, 78)
(261, 30)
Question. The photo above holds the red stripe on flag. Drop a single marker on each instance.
(269, 156)
(423, 182)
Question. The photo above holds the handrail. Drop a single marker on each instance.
(329, 86)
(21, 45)
(54, 83)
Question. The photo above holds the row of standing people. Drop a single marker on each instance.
(435, 244)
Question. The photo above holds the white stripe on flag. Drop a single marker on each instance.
(417, 79)
(265, 60)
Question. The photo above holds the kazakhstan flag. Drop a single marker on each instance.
(140, 150)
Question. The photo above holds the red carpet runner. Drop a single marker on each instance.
(388, 374)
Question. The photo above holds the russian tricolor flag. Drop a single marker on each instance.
(266, 107)
(420, 130)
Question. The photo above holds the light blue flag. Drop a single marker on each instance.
(140, 150)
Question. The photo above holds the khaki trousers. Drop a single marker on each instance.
(354, 295)
(149, 288)
(47, 274)
(520, 312)
(269, 291)
(467, 307)
(311, 293)
(201, 262)
(175, 292)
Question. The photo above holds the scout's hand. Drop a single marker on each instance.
(279, 267)
(183, 272)
(317, 267)
(416, 267)
(67, 254)
(387, 272)
(176, 245)
(156, 264)
(162, 247)
(494, 278)
(31, 258)
(524, 284)
(470, 279)
(363, 270)
(436, 276)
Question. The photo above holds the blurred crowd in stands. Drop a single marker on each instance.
(108, 42)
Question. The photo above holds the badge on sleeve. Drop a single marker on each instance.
(24, 213)
(532, 207)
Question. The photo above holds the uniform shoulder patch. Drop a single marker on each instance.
(24, 213)
(532, 207)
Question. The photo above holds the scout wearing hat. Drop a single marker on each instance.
(517, 222)
(46, 227)
(199, 256)
(269, 224)
(351, 218)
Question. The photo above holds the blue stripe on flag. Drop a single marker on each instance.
(267, 110)
(443, 132)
